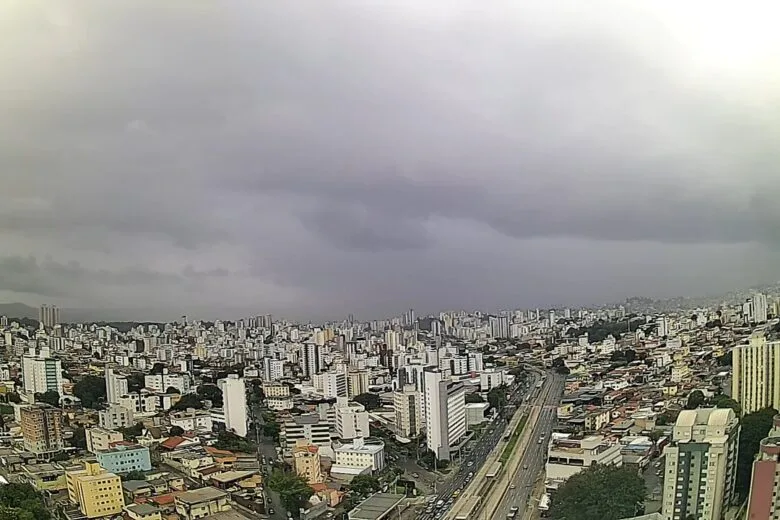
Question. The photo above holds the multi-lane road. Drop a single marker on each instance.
(477, 452)
(534, 457)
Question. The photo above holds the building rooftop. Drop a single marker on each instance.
(201, 495)
(375, 507)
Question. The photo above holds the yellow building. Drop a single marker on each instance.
(307, 462)
(97, 492)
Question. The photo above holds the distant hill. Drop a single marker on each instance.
(18, 310)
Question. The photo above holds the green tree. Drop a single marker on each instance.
(726, 359)
(175, 431)
(370, 401)
(724, 401)
(599, 493)
(695, 400)
(51, 397)
(188, 401)
(22, 502)
(133, 432)
(79, 439)
(497, 397)
(755, 426)
(474, 398)
(13, 397)
(293, 490)
(231, 442)
(134, 475)
(212, 393)
(91, 390)
(364, 485)
(172, 390)
(272, 429)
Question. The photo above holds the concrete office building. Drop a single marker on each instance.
(234, 397)
(701, 464)
(408, 416)
(311, 428)
(755, 382)
(445, 413)
(334, 384)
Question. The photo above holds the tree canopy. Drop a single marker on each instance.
(497, 397)
(293, 490)
(474, 398)
(51, 397)
(79, 439)
(175, 431)
(370, 401)
(755, 426)
(211, 393)
(134, 475)
(91, 390)
(724, 401)
(21, 502)
(231, 442)
(365, 485)
(695, 400)
(599, 493)
(188, 401)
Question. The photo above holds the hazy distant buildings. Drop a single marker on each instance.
(49, 315)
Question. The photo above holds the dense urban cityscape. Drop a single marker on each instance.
(609, 413)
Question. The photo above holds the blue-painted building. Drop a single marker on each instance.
(124, 458)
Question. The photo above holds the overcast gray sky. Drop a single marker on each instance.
(313, 159)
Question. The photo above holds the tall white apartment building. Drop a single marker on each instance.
(351, 419)
(116, 386)
(114, 417)
(755, 380)
(334, 384)
(701, 465)
(49, 315)
(273, 369)
(41, 373)
(357, 382)
(408, 416)
(445, 413)
(234, 398)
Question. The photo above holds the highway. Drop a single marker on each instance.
(477, 452)
(533, 460)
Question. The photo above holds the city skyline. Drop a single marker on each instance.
(312, 163)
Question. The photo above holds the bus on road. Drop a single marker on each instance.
(494, 470)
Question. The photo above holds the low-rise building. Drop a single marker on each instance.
(125, 457)
(361, 453)
(311, 428)
(115, 417)
(192, 420)
(101, 439)
(570, 455)
(201, 503)
(97, 492)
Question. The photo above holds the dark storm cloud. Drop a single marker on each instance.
(320, 158)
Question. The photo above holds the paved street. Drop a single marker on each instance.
(479, 451)
(532, 464)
